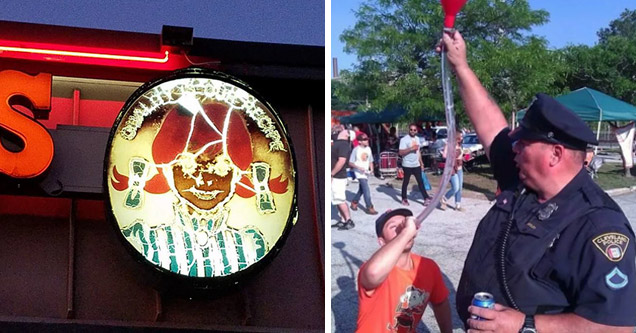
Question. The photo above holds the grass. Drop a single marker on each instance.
(611, 175)
(478, 182)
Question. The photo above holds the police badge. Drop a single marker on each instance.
(545, 213)
(200, 177)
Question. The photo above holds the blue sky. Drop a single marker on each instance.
(571, 22)
(274, 21)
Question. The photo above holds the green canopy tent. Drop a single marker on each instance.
(388, 115)
(593, 105)
(391, 114)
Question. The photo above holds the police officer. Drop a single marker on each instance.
(556, 252)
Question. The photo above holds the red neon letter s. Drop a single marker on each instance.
(37, 154)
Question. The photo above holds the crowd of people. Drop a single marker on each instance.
(553, 251)
(354, 160)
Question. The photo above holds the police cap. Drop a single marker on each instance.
(550, 121)
(381, 221)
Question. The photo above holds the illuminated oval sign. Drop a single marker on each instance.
(200, 177)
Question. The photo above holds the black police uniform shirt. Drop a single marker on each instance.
(572, 254)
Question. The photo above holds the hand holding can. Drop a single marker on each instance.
(483, 300)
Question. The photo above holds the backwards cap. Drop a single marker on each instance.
(381, 221)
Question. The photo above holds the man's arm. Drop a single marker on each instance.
(419, 158)
(376, 270)
(405, 149)
(573, 323)
(442, 313)
(482, 111)
(408, 150)
(504, 319)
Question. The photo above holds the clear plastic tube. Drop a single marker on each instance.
(450, 143)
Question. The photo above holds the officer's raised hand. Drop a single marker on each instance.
(501, 319)
(455, 49)
(482, 111)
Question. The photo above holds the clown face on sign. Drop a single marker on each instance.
(200, 176)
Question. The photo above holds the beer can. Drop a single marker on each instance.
(483, 300)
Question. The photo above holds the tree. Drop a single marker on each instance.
(624, 26)
(400, 35)
(514, 73)
(339, 100)
(609, 66)
(356, 88)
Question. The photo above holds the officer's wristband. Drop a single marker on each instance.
(528, 325)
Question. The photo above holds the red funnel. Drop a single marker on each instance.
(451, 8)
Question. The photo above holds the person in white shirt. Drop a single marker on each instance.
(361, 162)
(412, 163)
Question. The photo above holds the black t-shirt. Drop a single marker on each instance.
(340, 148)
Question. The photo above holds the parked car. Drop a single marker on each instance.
(474, 152)
(471, 142)
(423, 141)
(441, 132)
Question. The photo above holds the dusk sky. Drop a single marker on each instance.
(273, 21)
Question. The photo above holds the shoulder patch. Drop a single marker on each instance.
(612, 245)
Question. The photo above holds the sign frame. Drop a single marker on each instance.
(166, 280)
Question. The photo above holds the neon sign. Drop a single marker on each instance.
(34, 92)
(87, 55)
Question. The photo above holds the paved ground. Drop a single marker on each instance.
(445, 237)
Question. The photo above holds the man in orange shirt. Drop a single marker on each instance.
(395, 285)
